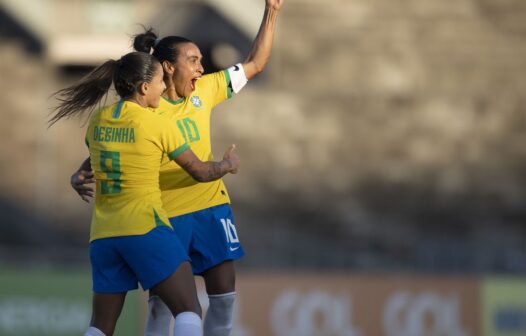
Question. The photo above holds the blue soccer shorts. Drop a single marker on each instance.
(119, 263)
(209, 236)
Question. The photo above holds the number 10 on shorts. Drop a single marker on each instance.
(230, 231)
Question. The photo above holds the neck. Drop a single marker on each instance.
(171, 93)
(138, 100)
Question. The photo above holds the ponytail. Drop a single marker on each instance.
(86, 94)
(126, 74)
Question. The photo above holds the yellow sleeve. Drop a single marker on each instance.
(172, 141)
(216, 87)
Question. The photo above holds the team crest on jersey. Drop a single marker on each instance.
(196, 102)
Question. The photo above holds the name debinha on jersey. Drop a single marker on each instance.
(114, 134)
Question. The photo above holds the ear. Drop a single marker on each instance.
(168, 68)
(143, 88)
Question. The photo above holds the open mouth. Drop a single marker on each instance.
(193, 81)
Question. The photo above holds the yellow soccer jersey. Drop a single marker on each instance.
(181, 194)
(126, 144)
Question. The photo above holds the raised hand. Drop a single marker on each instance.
(274, 4)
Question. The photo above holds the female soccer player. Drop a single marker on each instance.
(199, 212)
(131, 239)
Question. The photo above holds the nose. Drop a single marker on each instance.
(200, 68)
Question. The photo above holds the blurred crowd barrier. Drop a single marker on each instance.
(49, 302)
(58, 303)
(391, 305)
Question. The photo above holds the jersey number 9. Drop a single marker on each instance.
(110, 163)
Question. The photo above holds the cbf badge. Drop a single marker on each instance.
(196, 102)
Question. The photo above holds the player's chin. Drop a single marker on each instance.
(189, 90)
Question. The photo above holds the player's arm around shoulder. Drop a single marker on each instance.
(210, 170)
(178, 150)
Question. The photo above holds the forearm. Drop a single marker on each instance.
(208, 171)
(261, 49)
(203, 171)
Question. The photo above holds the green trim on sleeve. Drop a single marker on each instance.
(178, 151)
(174, 102)
(228, 86)
(86, 141)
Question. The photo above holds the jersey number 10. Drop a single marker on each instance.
(230, 231)
(189, 130)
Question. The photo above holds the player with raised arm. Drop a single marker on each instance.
(199, 212)
(131, 239)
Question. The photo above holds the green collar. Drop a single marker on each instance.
(174, 102)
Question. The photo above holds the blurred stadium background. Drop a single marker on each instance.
(383, 184)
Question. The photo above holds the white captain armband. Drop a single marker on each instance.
(238, 79)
